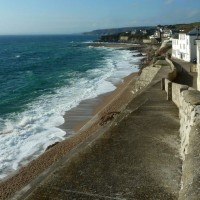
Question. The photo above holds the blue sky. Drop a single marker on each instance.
(75, 16)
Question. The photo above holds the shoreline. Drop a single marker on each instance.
(23, 177)
(116, 45)
(110, 104)
(78, 117)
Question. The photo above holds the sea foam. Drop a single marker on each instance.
(26, 135)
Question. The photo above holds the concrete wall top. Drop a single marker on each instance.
(162, 62)
(191, 96)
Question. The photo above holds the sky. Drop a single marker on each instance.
(77, 16)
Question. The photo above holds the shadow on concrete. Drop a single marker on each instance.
(183, 76)
(136, 159)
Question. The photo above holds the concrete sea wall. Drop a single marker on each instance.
(145, 78)
(188, 101)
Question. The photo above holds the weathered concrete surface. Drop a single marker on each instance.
(185, 76)
(187, 100)
(190, 144)
(138, 158)
(192, 97)
(191, 169)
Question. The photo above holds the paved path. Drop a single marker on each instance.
(185, 76)
(136, 159)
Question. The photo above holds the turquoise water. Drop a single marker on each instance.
(34, 66)
(41, 77)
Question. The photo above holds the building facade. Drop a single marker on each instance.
(198, 64)
(167, 33)
(184, 47)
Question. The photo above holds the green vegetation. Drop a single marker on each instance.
(109, 38)
(130, 37)
(186, 27)
(137, 35)
(114, 31)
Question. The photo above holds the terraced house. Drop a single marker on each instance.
(184, 47)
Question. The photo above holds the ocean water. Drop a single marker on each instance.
(41, 77)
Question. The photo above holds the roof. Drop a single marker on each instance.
(195, 31)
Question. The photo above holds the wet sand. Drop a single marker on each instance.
(76, 118)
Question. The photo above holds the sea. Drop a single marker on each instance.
(42, 77)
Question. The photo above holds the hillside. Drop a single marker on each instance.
(186, 27)
(113, 31)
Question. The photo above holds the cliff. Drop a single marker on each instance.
(113, 31)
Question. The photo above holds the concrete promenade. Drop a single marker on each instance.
(137, 158)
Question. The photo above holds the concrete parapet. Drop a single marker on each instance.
(191, 170)
(188, 102)
(161, 63)
(166, 84)
(176, 94)
(190, 88)
(189, 113)
(187, 99)
(198, 75)
(173, 91)
(173, 74)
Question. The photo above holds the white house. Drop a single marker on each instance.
(167, 33)
(198, 64)
(185, 47)
(157, 34)
(133, 32)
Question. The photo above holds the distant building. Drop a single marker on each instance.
(151, 37)
(147, 41)
(184, 47)
(157, 34)
(167, 33)
(124, 38)
(133, 32)
(143, 31)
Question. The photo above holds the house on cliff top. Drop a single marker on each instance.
(166, 33)
(124, 38)
(184, 47)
